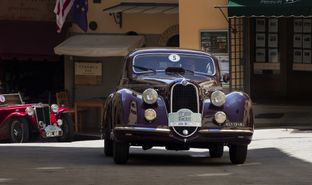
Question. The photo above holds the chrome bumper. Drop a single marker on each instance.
(165, 136)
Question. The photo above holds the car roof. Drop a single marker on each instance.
(167, 50)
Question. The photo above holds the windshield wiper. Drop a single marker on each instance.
(144, 68)
(188, 70)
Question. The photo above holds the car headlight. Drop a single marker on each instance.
(54, 108)
(220, 117)
(150, 96)
(30, 111)
(218, 98)
(150, 114)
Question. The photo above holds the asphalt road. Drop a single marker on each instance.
(274, 157)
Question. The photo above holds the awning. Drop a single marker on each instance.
(29, 40)
(145, 8)
(269, 8)
(99, 45)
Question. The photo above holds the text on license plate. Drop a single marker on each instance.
(184, 118)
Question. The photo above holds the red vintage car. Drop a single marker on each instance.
(19, 121)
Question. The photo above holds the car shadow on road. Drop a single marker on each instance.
(138, 157)
(89, 165)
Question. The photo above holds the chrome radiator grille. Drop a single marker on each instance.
(184, 96)
(43, 114)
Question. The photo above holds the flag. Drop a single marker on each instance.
(62, 8)
(80, 10)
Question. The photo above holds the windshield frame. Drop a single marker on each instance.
(178, 53)
(11, 94)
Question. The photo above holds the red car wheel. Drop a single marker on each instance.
(19, 130)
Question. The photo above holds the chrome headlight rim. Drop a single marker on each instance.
(30, 111)
(150, 114)
(220, 117)
(55, 108)
(150, 96)
(218, 98)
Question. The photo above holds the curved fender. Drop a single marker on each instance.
(6, 126)
(107, 112)
(65, 109)
(15, 114)
(129, 108)
(237, 107)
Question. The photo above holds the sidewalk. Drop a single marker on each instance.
(281, 116)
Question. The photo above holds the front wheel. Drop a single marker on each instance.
(19, 130)
(68, 129)
(121, 152)
(238, 153)
(108, 144)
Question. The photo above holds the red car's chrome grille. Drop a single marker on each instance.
(43, 114)
(184, 96)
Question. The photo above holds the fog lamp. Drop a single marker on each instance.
(150, 114)
(59, 122)
(220, 117)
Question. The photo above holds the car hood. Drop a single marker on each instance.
(167, 79)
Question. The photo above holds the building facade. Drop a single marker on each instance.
(264, 44)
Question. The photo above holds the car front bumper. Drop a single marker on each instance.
(165, 136)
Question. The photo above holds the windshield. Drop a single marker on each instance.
(10, 99)
(146, 63)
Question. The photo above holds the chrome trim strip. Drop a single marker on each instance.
(180, 83)
(208, 131)
(144, 129)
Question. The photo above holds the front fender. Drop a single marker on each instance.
(65, 110)
(15, 114)
(237, 107)
(129, 107)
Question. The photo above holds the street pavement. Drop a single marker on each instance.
(276, 156)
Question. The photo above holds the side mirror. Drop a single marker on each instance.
(226, 77)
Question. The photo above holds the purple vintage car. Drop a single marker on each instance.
(173, 98)
(19, 122)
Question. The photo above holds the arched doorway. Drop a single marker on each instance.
(170, 37)
(173, 41)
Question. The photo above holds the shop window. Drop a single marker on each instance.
(266, 42)
(302, 44)
(216, 42)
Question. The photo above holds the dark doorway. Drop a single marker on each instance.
(173, 41)
(37, 81)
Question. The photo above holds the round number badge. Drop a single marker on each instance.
(174, 58)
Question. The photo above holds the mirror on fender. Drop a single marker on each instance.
(226, 77)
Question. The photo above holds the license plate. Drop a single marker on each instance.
(184, 118)
(53, 131)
